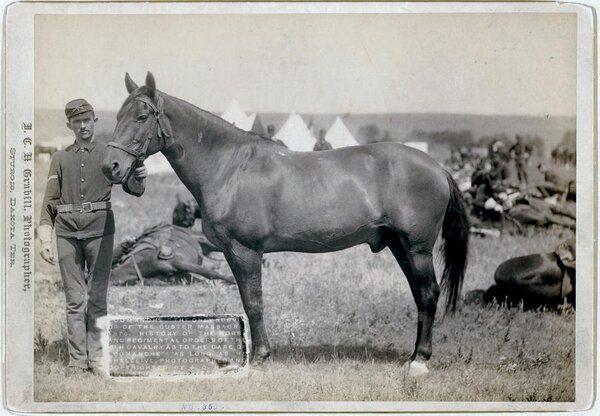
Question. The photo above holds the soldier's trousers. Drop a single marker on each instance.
(86, 297)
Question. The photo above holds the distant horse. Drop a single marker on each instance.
(257, 197)
(44, 149)
(539, 213)
(535, 280)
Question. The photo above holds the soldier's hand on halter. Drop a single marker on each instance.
(47, 251)
(141, 172)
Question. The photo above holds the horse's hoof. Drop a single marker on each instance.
(259, 361)
(415, 369)
(257, 368)
(261, 354)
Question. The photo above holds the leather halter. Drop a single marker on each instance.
(159, 122)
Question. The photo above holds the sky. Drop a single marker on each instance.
(509, 64)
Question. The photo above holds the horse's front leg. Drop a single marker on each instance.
(246, 267)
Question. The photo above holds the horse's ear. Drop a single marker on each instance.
(150, 83)
(129, 84)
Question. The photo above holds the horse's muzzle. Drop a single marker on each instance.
(114, 169)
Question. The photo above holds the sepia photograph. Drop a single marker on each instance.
(299, 207)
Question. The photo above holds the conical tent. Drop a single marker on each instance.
(296, 135)
(422, 146)
(339, 135)
(257, 125)
(236, 116)
(157, 164)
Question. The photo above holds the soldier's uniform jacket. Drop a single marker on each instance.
(75, 177)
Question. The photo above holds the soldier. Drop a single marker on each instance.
(321, 143)
(520, 154)
(271, 135)
(77, 205)
(555, 181)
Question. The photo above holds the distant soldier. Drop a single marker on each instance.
(554, 154)
(186, 212)
(485, 185)
(455, 162)
(496, 149)
(321, 143)
(271, 135)
(519, 153)
(466, 155)
(555, 182)
(500, 170)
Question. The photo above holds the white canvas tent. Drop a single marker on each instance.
(238, 117)
(422, 146)
(61, 141)
(339, 135)
(158, 164)
(296, 135)
(256, 124)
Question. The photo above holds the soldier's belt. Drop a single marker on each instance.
(85, 207)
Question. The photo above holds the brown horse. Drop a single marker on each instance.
(257, 197)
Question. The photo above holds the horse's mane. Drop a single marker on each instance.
(247, 136)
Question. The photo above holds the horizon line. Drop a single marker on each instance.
(345, 114)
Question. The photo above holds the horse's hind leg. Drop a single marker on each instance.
(417, 264)
(182, 265)
(246, 267)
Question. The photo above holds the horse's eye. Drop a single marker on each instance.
(142, 117)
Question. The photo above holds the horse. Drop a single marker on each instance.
(257, 197)
(534, 280)
(160, 251)
(166, 250)
(44, 149)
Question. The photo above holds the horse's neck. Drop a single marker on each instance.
(208, 143)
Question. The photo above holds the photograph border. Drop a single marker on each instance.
(18, 293)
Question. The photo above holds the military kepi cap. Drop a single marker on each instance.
(76, 107)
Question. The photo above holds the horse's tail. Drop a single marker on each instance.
(455, 232)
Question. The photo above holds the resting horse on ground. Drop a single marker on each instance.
(257, 197)
(164, 250)
(542, 214)
(541, 279)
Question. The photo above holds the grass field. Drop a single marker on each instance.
(341, 325)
